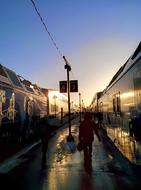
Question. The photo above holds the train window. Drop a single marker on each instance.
(114, 105)
(13, 78)
(137, 87)
(101, 107)
(29, 89)
(54, 108)
(39, 92)
(2, 72)
(118, 104)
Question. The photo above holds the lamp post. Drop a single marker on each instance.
(80, 105)
(54, 97)
(72, 106)
(68, 68)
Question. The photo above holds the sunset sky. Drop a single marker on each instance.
(96, 36)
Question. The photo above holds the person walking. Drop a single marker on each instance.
(44, 135)
(86, 136)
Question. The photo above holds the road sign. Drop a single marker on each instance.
(74, 86)
(63, 86)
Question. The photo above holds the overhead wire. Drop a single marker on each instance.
(50, 35)
(45, 26)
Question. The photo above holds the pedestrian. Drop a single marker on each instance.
(44, 135)
(134, 127)
(86, 136)
(100, 118)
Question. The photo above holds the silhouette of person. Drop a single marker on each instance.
(25, 128)
(86, 136)
(100, 118)
(45, 135)
(134, 127)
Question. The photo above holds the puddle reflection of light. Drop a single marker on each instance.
(125, 133)
(61, 155)
(59, 175)
(58, 145)
(60, 138)
(56, 181)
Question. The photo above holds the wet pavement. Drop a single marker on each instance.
(9, 147)
(65, 169)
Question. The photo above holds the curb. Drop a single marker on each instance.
(15, 160)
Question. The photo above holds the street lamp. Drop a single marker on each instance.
(54, 97)
(68, 68)
(80, 105)
(72, 106)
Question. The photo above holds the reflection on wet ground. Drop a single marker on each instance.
(67, 169)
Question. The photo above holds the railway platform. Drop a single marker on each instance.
(11, 151)
(65, 169)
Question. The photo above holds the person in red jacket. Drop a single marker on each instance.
(86, 134)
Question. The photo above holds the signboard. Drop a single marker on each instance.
(73, 86)
(63, 86)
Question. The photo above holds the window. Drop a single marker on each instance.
(29, 89)
(116, 103)
(137, 86)
(101, 107)
(2, 72)
(13, 78)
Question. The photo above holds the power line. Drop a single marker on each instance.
(53, 41)
(42, 21)
(67, 65)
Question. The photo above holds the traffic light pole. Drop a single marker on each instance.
(68, 68)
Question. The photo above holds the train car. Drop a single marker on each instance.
(22, 105)
(57, 106)
(120, 104)
(94, 104)
(57, 103)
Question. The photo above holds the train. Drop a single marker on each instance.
(120, 107)
(23, 105)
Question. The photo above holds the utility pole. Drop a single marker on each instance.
(72, 106)
(54, 97)
(68, 68)
(80, 105)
